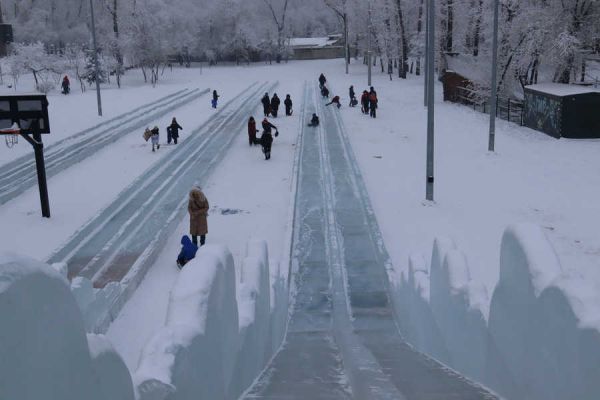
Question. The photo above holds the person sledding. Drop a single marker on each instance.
(266, 140)
(252, 131)
(188, 251)
(215, 99)
(266, 102)
(336, 101)
(66, 85)
(314, 121)
(288, 105)
(154, 138)
(173, 131)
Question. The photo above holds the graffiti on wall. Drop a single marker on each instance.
(543, 113)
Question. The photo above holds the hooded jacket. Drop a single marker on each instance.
(198, 208)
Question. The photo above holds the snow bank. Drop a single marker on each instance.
(217, 338)
(540, 341)
(44, 351)
(98, 306)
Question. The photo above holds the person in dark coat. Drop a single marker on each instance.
(275, 105)
(314, 121)
(266, 102)
(173, 131)
(66, 85)
(364, 101)
(325, 92)
(215, 98)
(252, 131)
(336, 101)
(188, 251)
(198, 209)
(288, 105)
(373, 103)
(266, 140)
(322, 80)
(353, 101)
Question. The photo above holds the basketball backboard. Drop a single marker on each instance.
(27, 110)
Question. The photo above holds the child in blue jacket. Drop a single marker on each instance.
(188, 251)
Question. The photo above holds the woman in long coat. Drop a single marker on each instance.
(198, 208)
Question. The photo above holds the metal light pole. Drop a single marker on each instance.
(346, 49)
(96, 64)
(426, 74)
(492, 137)
(369, 43)
(430, 98)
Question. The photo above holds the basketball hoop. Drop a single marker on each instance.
(11, 135)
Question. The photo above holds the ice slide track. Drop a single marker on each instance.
(129, 232)
(342, 340)
(19, 175)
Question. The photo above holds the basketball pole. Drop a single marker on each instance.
(40, 165)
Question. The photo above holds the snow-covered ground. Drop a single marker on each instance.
(530, 178)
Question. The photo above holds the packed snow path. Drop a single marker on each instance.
(128, 234)
(342, 340)
(19, 175)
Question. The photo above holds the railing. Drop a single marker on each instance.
(506, 108)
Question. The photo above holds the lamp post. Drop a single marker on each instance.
(426, 74)
(96, 64)
(430, 98)
(369, 44)
(492, 137)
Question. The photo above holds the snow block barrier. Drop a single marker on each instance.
(219, 333)
(539, 341)
(44, 351)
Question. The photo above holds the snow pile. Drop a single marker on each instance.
(98, 306)
(44, 352)
(217, 338)
(540, 341)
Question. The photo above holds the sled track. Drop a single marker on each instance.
(19, 175)
(342, 340)
(120, 242)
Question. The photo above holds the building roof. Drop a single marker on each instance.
(561, 89)
(314, 41)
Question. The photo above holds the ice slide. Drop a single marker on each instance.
(121, 241)
(342, 340)
(19, 175)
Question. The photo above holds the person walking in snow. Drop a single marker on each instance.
(288, 105)
(336, 101)
(373, 103)
(188, 251)
(364, 101)
(154, 138)
(266, 102)
(252, 131)
(66, 85)
(314, 121)
(322, 81)
(198, 209)
(275, 105)
(215, 99)
(173, 131)
(266, 139)
(353, 100)
(325, 92)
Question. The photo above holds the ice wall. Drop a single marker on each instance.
(539, 341)
(221, 330)
(44, 351)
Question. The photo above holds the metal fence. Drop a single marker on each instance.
(506, 108)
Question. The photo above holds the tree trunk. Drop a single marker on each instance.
(403, 43)
(419, 30)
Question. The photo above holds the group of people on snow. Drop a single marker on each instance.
(270, 108)
(368, 99)
(154, 134)
(198, 207)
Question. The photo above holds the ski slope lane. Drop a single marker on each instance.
(20, 175)
(124, 237)
(342, 340)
